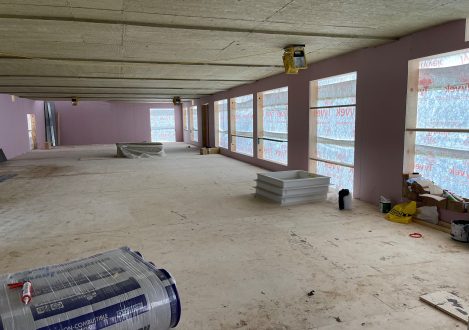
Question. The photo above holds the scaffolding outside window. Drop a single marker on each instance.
(332, 128)
(163, 127)
(437, 120)
(221, 123)
(272, 125)
(241, 117)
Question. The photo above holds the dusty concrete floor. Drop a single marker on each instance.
(239, 262)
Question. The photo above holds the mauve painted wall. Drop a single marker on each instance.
(381, 106)
(96, 122)
(14, 124)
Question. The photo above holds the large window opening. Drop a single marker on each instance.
(185, 119)
(31, 118)
(163, 127)
(272, 125)
(221, 123)
(332, 128)
(437, 123)
(194, 123)
(241, 116)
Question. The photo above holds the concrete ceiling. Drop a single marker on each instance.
(154, 49)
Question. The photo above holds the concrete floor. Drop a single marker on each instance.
(239, 262)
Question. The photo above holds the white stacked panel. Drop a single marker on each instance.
(292, 187)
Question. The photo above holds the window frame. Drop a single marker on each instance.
(174, 123)
(313, 159)
(411, 125)
(233, 133)
(194, 131)
(216, 107)
(260, 126)
(185, 122)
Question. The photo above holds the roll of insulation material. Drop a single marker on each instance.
(115, 290)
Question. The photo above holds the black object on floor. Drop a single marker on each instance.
(342, 194)
(6, 177)
(3, 158)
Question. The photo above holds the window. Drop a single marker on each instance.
(32, 131)
(194, 124)
(437, 123)
(241, 115)
(332, 128)
(185, 119)
(272, 125)
(163, 127)
(221, 123)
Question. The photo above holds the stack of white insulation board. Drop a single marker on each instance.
(292, 187)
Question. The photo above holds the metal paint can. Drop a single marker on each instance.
(460, 230)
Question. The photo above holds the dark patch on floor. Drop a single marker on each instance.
(3, 158)
(6, 177)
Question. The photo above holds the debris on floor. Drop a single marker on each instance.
(311, 293)
(338, 319)
(448, 303)
(6, 177)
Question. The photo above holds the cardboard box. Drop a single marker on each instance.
(458, 206)
(429, 201)
(209, 151)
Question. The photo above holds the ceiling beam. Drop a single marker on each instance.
(123, 78)
(4, 56)
(105, 98)
(101, 93)
(3, 87)
(193, 27)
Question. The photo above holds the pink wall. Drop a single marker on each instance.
(381, 106)
(14, 125)
(95, 122)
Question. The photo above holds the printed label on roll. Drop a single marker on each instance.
(104, 317)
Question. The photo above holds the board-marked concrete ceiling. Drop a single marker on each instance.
(153, 49)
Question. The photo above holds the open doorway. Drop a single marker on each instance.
(32, 131)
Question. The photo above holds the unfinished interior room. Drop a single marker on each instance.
(268, 164)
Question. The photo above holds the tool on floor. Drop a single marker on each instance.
(26, 290)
